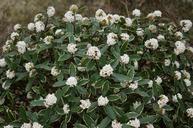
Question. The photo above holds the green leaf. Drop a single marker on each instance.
(120, 77)
(22, 114)
(113, 97)
(131, 115)
(149, 119)
(83, 82)
(92, 107)
(157, 90)
(69, 27)
(131, 73)
(77, 125)
(21, 76)
(88, 120)
(143, 82)
(110, 112)
(35, 103)
(64, 57)
(43, 66)
(105, 122)
(59, 84)
(72, 70)
(105, 88)
(81, 89)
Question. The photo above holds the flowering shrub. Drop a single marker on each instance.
(98, 72)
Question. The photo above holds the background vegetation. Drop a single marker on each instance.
(22, 11)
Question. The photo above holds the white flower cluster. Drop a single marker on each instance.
(124, 59)
(10, 74)
(55, 71)
(111, 39)
(8, 126)
(149, 126)
(48, 39)
(136, 12)
(2, 62)
(158, 80)
(163, 100)
(152, 28)
(31, 26)
(66, 109)
(152, 44)
(71, 81)
(85, 104)
(70, 16)
(102, 101)
(189, 112)
(116, 124)
(29, 125)
(50, 11)
(50, 100)
(179, 47)
(29, 66)
(186, 25)
(133, 85)
(93, 53)
(176, 97)
(106, 71)
(167, 62)
(40, 26)
(14, 35)
(17, 27)
(124, 36)
(140, 32)
(134, 123)
(21, 47)
(156, 13)
(178, 75)
(72, 48)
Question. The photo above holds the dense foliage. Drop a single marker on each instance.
(103, 71)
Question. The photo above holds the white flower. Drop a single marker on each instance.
(190, 49)
(66, 109)
(85, 104)
(17, 27)
(160, 37)
(29, 66)
(3, 62)
(150, 83)
(158, 80)
(124, 59)
(186, 25)
(162, 101)
(69, 16)
(136, 104)
(55, 71)
(180, 47)
(40, 26)
(8, 126)
(134, 123)
(136, 65)
(4, 86)
(50, 11)
(140, 32)
(50, 100)
(117, 18)
(178, 75)
(179, 35)
(59, 32)
(111, 39)
(81, 69)
(176, 97)
(116, 124)
(100, 15)
(177, 64)
(14, 35)
(38, 17)
(37, 125)
(78, 17)
(10, 74)
(124, 36)
(149, 126)
(73, 8)
(48, 39)
(111, 18)
(128, 22)
(152, 28)
(157, 13)
(189, 112)
(72, 48)
(21, 47)
(133, 85)
(93, 53)
(152, 44)
(136, 12)
(167, 62)
(31, 26)
(186, 74)
(107, 70)
(102, 101)
(26, 125)
(71, 81)
(187, 82)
